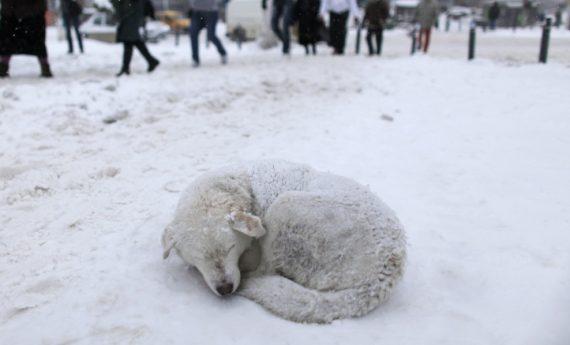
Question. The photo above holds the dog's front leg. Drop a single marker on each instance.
(249, 262)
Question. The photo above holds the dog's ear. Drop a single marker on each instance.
(246, 223)
(167, 242)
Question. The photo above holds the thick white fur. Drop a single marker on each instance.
(313, 247)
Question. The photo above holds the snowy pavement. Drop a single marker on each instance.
(473, 157)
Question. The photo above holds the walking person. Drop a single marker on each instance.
(494, 13)
(205, 15)
(130, 14)
(375, 16)
(281, 13)
(71, 11)
(426, 15)
(23, 31)
(339, 11)
(307, 14)
(558, 15)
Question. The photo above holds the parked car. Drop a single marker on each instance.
(458, 12)
(174, 19)
(405, 10)
(244, 19)
(102, 26)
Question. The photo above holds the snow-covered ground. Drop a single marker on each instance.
(473, 157)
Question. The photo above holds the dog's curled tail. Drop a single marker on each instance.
(295, 302)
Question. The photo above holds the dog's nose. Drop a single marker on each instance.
(225, 289)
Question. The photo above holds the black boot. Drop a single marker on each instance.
(123, 71)
(46, 70)
(4, 70)
(127, 55)
(151, 60)
(152, 65)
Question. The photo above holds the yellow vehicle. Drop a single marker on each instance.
(175, 19)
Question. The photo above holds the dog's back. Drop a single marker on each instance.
(333, 249)
(270, 178)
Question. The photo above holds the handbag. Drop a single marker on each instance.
(323, 32)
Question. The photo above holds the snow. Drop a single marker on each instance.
(474, 162)
(407, 3)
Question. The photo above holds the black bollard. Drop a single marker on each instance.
(358, 39)
(240, 35)
(471, 54)
(414, 35)
(545, 41)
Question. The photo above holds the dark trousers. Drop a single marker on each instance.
(313, 48)
(338, 31)
(208, 20)
(72, 22)
(492, 24)
(128, 53)
(378, 34)
(282, 9)
(425, 35)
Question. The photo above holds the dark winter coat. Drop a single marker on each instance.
(149, 10)
(71, 8)
(376, 13)
(23, 27)
(130, 14)
(306, 12)
(23, 8)
(494, 11)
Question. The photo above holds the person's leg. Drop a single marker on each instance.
(379, 41)
(75, 23)
(369, 42)
(306, 49)
(342, 24)
(195, 27)
(41, 52)
(45, 67)
(421, 39)
(127, 56)
(428, 34)
(4, 65)
(212, 21)
(287, 21)
(151, 60)
(314, 49)
(67, 26)
(334, 33)
(277, 12)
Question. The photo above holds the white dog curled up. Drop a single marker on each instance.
(306, 245)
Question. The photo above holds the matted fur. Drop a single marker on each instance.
(312, 247)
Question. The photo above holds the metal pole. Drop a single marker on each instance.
(545, 40)
(413, 33)
(471, 54)
(358, 39)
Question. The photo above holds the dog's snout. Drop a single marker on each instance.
(225, 288)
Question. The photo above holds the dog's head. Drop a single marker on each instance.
(213, 242)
